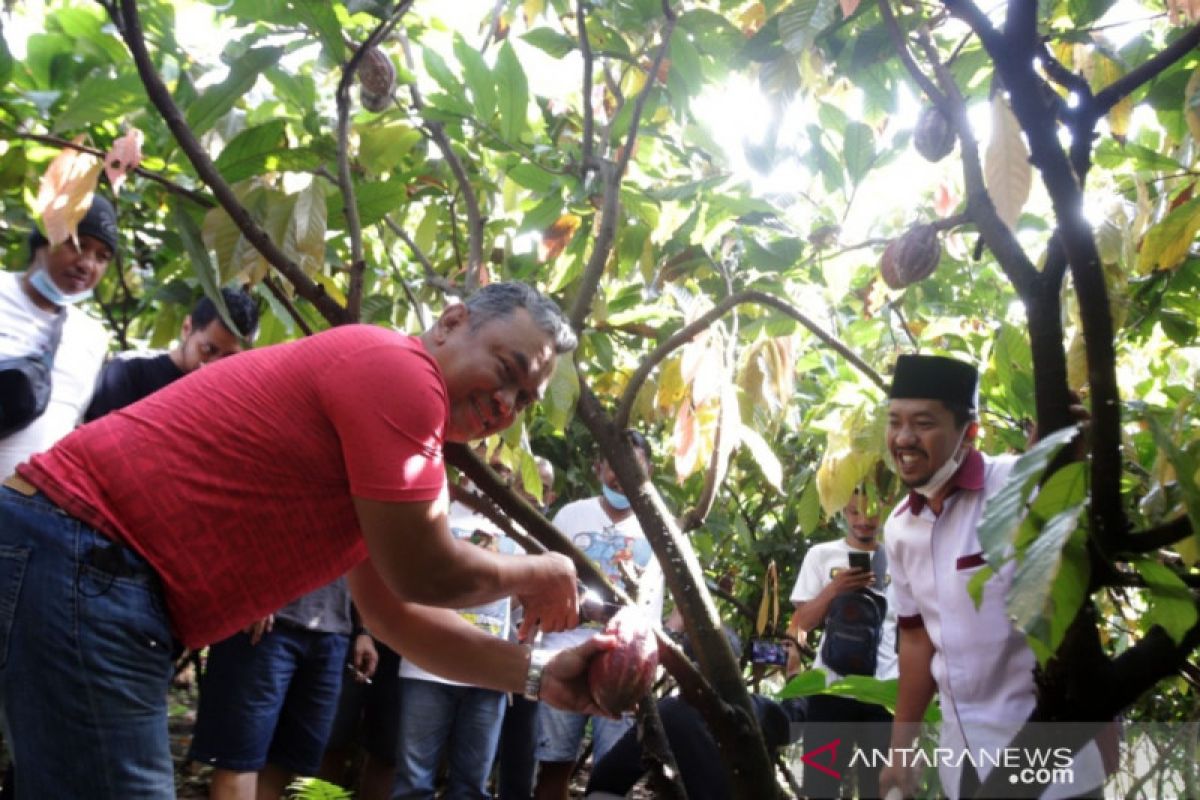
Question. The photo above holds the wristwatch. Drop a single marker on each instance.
(538, 659)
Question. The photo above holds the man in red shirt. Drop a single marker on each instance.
(183, 518)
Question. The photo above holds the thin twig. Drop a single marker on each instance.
(589, 118)
(157, 177)
(275, 289)
(345, 180)
(431, 276)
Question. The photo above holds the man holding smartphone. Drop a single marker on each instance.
(837, 581)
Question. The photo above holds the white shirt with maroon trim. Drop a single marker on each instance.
(981, 663)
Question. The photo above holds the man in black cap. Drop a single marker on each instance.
(38, 314)
(972, 656)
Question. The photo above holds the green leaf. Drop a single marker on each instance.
(322, 19)
(1168, 242)
(1171, 603)
(206, 273)
(248, 153)
(808, 515)
(803, 20)
(561, 394)
(544, 214)
(1029, 594)
(532, 177)
(374, 200)
(550, 41)
(435, 65)
(216, 101)
(859, 687)
(384, 148)
(513, 94)
(685, 63)
(805, 683)
(479, 79)
(100, 98)
(858, 150)
(768, 462)
(305, 237)
(1006, 508)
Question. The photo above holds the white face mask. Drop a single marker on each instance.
(946, 471)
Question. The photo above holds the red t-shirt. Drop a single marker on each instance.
(235, 482)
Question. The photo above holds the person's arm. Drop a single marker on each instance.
(916, 690)
(419, 560)
(442, 642)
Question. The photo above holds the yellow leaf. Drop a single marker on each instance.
(686, 439)
(556, 238)
(331, 287)
(1191, 105)
(65, 192)
(1006, 168)
(1168, 242)
(671, 387)
(533, 9)
(1077, 372)
(1106, 71)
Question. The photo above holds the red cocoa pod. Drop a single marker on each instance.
(911, 257)
(933, 137)
(377, 73)
(619, 677)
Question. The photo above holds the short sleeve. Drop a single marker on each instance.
(388, 405)
(901, 587)
(808, 582)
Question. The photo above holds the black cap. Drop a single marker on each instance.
(919, 377)
(100, 222)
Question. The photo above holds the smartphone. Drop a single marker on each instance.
(768, 651)
(860, 560)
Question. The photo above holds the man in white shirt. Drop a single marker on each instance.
(825, 575)
(606, 530)
(43, 298)
(973, 657)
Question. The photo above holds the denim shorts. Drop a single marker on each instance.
(85, 658)
(560, 733)
(272, 702)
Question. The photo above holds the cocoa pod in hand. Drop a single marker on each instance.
(619, 677)
(911, 257)
(933, 137)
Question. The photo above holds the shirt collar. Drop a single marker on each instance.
(969, 476)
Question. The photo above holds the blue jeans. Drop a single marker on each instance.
(434, 715)
(560, 734)
(269, 702)
(85, 659)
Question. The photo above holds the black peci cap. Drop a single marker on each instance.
(100, 222)
(920, 377)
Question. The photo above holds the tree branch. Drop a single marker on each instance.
(689, 331)
(612, 175)
(131, 30)
(589, 116)
(431, 277)
(275, 289)
(1145, 72)
(1164, 535)
(437, 132)
(898, 41)
(345, 180)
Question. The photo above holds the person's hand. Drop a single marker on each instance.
(550, 598)
(259, 629)
(564, 680)
(365, 658)
(897, 781)
(851, 579)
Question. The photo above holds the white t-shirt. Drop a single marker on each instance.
(25, 330)
(822, 562)
(608, 544)
(495, 617)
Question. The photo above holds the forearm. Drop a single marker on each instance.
(438, 640)
(810, 614)
(916, 688)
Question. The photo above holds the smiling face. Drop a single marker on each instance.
(76, 269)
(492, 372)
(921, 436)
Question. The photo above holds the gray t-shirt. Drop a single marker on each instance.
(326, 610)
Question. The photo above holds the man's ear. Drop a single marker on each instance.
(185, 330)
(452, 318)
(971, 432)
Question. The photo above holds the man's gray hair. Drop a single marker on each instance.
(501, 299)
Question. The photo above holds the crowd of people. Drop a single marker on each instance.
(288, 510)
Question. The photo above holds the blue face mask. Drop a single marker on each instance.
(615, 499)
(39, 279)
